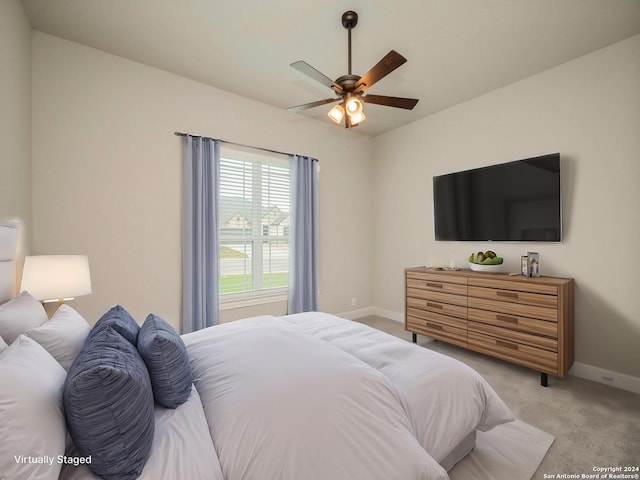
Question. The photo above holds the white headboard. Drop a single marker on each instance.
(8, 245)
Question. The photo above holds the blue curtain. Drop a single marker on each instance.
(303, 255)
(200, 237)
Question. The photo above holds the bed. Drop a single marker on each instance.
(307, 396)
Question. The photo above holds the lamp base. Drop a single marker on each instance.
(59, 301)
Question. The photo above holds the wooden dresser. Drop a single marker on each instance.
(528, 321)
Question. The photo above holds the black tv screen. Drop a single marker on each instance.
(514, 201)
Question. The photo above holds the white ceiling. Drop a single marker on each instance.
(456, 49)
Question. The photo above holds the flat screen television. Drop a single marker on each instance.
(515, 202)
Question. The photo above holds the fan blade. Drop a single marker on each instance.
(397, 102)
(306, 106)
(309, 71)
(384, 67)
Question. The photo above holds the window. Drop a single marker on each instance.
(254, 226)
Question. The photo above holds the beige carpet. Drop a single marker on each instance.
(512, 451)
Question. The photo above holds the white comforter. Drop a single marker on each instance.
(284, 405)
(446, 399)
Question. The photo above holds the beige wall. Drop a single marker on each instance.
(107, 177)
(106, 182)
(589, 111)
(15, 120)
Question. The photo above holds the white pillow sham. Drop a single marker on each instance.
(19, 315)
(63, 336)
(32, 425)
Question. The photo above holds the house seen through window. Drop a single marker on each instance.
(254, 224)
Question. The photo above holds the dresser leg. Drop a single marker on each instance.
(544, 379)
(414, 338)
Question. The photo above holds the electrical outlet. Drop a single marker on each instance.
(354, 301)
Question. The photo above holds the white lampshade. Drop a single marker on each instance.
(56, 277)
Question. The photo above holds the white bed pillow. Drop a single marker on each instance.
(19, 315)
(63, 336)
(3, 345)
(31, 419)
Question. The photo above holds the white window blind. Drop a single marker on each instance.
(254, 225)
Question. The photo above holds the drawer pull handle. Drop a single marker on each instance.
(507, 294)
(435, 305)
(512, 346)
(435, 326)
(505, 318)
(434, 285)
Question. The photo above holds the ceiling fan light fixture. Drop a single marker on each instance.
(357, 118)
(336, 114)
(353, 106)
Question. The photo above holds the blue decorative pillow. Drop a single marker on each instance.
(120, 320)
(167, 360)
(109, 406)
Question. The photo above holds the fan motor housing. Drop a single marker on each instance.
(348, 82)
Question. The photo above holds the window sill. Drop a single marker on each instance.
(230, 301)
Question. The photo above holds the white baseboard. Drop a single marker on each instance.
(369, 311)
(361, 312)
(606, 377)
(581, 370)
(395, 316)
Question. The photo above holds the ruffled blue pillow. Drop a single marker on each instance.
(167, 360)
(121, 321)
(109, 406)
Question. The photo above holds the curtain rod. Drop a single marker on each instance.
(181, 134)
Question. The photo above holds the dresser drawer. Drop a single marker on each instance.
(515, 322)
(437, 277)
(536, 358)
(437, 286)
(425, 315)
(527, 284)
(438, 307)
(442, 297)
(518, 309)
(439, 331)
(525, 298)
(515, 336)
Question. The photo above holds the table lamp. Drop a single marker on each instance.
(56, 278)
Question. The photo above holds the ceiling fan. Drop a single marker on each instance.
(349, 88)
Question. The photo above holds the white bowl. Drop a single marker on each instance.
(476, 267)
